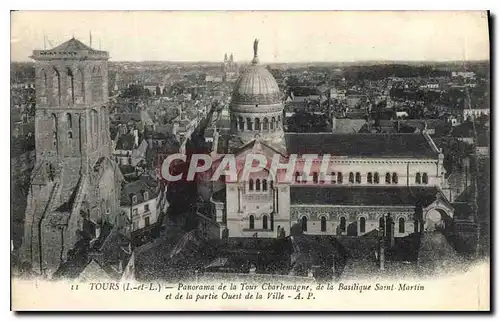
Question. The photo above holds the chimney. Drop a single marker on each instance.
(136, 137)
(98, 230)
(216, 141)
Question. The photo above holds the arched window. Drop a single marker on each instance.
(250, 185)
(315, 178)
(56, 87)
(257, 124)
(333, 177)
(71, 86)
(339, 178)
(80, 86)
(241, 123)
(251, 221)
(96, 84)
(249, 124)
(358, 177)
(273, 122)
(264, 185)
(351, 177)
(362, 225)
(342, 224)
(304, 223)
(234, 123)
(401, 225)
(297, 177)
(323, 224)
(376, 178)
(265, 124)
(425, 178)
(94, 123)
(54, 131)
(418, 178)
(388, 178)
(264, 222)
(279, 119)
(369, 178)
(394, 178)
(381, 222)
(43, 83)
(69, 123)
(257, 184)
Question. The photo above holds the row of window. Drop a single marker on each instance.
(362, 224)
(257, 124)
(135, 224)
(421, 178)
(76, 85)
(371, 178)
(337, 178)
(342, 226)
(252, 222)
(136, 211)
(94, 129)
(259, 185)
(145, 195)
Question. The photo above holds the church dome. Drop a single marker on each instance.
(256, 86)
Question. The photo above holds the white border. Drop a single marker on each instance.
(493, 5)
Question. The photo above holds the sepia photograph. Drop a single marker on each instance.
(250, 160)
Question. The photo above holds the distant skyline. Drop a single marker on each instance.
(284, 37)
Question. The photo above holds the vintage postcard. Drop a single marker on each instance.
(284, 160)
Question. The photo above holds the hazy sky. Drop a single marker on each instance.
(284, 36)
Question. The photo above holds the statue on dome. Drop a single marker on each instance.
(255, 47)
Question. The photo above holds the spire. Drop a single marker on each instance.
(231, 57)
(255, 59)
(90, 38)
(225, 57)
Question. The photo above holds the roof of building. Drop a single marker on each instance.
(362, 195)
(93, 271)
(360, 145)
(256, 86)
(71, 49)
(346, 125)
(436, 250)
(137, 188)
(72, 45)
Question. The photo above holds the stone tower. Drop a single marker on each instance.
(73, 146)
(71, 117)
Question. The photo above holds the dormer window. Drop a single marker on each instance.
(134, 199)
(146, 196)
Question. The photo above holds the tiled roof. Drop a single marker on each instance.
(72, 45)
(137, 188)
(362, 195)
(360, 145)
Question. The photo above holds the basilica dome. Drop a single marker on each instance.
(256, 86)
(256, 109)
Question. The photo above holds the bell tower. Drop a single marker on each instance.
(72, 121)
